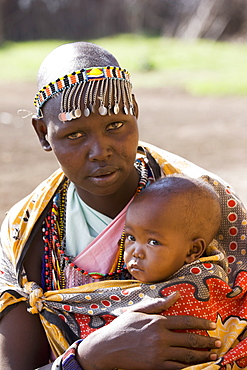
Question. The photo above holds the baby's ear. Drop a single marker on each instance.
(197, 249)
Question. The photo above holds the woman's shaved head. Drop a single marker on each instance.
(71, 57)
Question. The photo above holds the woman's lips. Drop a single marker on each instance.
(103, 176)
(103, 171)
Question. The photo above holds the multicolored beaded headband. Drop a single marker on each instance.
(97, 82)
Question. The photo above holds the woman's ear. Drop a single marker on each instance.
(198, 247)
(41, 130)
(136, 109)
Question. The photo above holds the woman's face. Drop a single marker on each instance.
(97, 152)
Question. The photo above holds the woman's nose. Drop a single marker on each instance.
(99, 150)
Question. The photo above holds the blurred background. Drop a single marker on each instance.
(188, 60)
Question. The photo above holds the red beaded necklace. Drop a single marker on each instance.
(53, 229)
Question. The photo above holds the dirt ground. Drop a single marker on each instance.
(211, 132)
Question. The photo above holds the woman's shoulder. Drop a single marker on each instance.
(38, 198)
(172, 163)
(23, 216)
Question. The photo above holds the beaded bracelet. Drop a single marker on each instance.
(56, 365)
(69, 361)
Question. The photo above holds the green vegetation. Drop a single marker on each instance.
(20, 61)
(199, 67)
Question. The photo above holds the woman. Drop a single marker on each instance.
(68, 231)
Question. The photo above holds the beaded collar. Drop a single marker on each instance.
(53, 229)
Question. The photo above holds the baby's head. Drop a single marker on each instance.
(168, 224)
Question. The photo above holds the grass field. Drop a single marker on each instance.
(200, 67)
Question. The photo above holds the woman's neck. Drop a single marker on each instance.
(111, 205)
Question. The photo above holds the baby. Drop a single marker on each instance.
(169, 224)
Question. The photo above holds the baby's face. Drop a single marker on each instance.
(155, 245)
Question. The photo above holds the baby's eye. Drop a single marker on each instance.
(114, 126)
(153, 242)
(130, 238)
(75, 135)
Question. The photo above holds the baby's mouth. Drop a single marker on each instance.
(135, 267)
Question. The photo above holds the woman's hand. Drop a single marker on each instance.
(140, 339)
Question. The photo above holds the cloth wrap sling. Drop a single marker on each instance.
(213, 287)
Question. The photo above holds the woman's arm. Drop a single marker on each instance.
(23, 343)
(138, 339)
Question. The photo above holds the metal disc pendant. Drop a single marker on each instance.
(116, 109)
(68, 116)
(86, 112)
(131, 110)
(125, 110)
(78, 113)
(73, 114)
(62, 117)
(102, 110)
(93, 108)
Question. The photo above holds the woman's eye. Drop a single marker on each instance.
(130, 238)
(153, 242)
(114, 126)
(75, 135)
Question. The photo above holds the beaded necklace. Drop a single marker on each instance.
(53, 229)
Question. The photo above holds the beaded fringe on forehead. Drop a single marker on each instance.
(110, 85)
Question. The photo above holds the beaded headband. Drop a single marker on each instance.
(97, 82)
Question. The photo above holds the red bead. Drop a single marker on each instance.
(72, 264)
(78, 269)
(46, 257)
(95, 276)
(118, 271)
